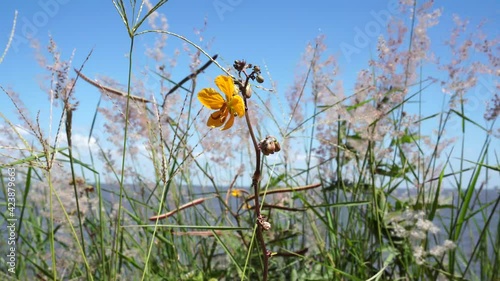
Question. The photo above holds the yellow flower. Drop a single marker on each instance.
(238, 192)
(231, 106)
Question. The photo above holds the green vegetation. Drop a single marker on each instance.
(374, 198)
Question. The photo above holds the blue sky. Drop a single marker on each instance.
(273, 33)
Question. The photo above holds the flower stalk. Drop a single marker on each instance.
(228, 106)
(262, 223)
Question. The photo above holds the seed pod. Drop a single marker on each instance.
(266, 225)
(248, 91)
(269, 145)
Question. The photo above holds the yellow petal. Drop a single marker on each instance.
(217, 118)
(213, 123)
(237, 105)
(229, 123)
(211, 98)
(226, 85)
(236, 193)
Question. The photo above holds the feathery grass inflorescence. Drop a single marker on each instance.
(323, 182)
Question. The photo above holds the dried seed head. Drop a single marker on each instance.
(266, 225)
(239, 65)
(269, 145)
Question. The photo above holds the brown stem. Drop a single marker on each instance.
(283, 190)
(185, 206)
(255, 184)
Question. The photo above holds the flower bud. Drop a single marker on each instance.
(259, 79)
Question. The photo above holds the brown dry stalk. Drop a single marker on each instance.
(187, 205)
(206, 233)
(140, 99)
(111, 90)
(284, 190)
(271, 206)
(298, 253)
(190, 76)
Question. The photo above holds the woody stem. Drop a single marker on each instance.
(255, 183)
